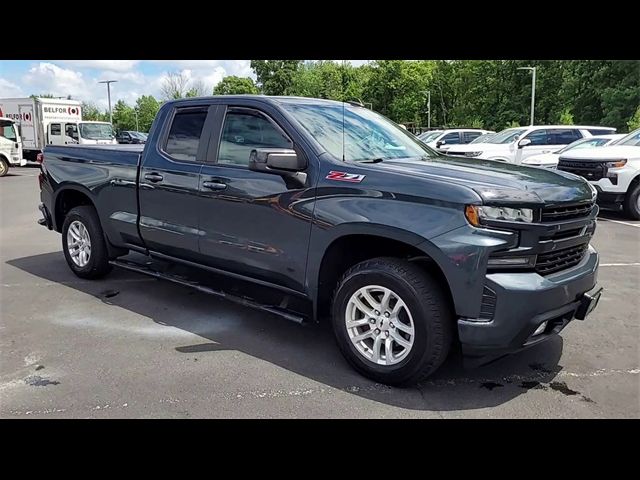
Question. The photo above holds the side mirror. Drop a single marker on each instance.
(276, 160)
(439, 143)
(524, 142)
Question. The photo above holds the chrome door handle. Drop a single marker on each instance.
(153, 177)
(214, 185)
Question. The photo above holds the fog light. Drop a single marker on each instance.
(508, 261)
(540, 329)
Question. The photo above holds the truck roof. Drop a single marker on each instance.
(43, 99)
(264, 98)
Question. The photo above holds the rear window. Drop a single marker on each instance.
(600, 131)
(184, 136)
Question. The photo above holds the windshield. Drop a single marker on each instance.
(584, 143)
(483, 138)
(138, 135)
(364, 135)
(429, 136)
(7, 130)
(96, 131)
(506, 136)
(633, 139)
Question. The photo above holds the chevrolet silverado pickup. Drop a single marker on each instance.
(339, 215)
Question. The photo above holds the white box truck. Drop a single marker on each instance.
(10, 146)
(52, 121)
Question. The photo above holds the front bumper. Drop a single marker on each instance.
(523, 301)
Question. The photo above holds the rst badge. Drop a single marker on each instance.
(345, 177)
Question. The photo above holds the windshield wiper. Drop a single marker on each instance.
(371, 160)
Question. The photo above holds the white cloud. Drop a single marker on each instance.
(112, 65)
(8, 89)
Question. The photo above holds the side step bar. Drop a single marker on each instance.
(138, 268)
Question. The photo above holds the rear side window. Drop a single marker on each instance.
(470, 136)
(601, 131)
(247, 130)
(184, 136)
(452, 138)
(563, 136)
(55, 129)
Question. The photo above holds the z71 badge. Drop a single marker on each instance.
(345, 177)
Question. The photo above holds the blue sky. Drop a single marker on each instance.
(79, 78)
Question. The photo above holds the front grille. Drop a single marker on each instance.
(552, 262)
(574, 232)
(488, 305)
(554, 214)
(589, 170)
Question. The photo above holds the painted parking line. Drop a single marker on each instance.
(637, 225)
(634, 264)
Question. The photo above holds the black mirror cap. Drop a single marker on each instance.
(276, 160)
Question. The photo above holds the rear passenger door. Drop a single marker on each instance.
(168, 189)
(468, 137)
(253, 223)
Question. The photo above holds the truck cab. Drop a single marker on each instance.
(10, 146)
(83, 133)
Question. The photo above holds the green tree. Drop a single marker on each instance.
(123, 116)
(566, 117)
(233, 85)
(91, 112)
(634, 122)
(275, 77)
(147, 107)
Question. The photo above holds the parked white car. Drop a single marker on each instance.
(442, 140)
(550, 160)
(514, 145)
(614, 171)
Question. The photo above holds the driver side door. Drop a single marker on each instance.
(253, 223)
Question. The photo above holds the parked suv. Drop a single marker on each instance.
(128, 136)
(550, 160)
(513, 145)
(442, 140)
(614, 171)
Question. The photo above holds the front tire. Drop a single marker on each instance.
(4, 167)
(632, 202)
(83, 243)
(392, 321)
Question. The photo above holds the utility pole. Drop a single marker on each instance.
(109, 82)
(136, 110)
(533, 89)
(428, 92)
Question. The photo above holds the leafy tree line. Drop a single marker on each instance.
(493, 94)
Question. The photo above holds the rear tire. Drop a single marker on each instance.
(632, 202)
(421, 336)
(4, 167)
(84, 247)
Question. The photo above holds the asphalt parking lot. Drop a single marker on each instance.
(133, 346)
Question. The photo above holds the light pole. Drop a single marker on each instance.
(109, 82)
(136, 110)
(533, 88)
(428, 92)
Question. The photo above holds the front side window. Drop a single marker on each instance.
(184, 136)
(244, 131)
(538, 137)
(451, 138)
(7, 130)
(71, 130)
(354, 133)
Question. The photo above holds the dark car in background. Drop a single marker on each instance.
(131, 137)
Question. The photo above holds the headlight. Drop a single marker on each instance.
(472, 154)
(616, 163)
(475, 214)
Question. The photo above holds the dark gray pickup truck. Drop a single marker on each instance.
(329, 210)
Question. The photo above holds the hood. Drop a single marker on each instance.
(480, 147)
(613, 152)
(543, 159)
(498, 182)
